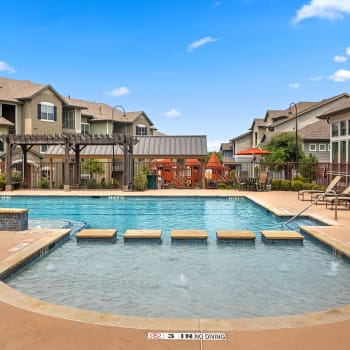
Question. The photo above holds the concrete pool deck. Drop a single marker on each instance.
(26, 322)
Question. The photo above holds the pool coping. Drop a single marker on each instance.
(14, 298)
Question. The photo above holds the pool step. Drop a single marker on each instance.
(235, 236)
(190, 235)
(271, 236)
(142, 235)
(97, 235)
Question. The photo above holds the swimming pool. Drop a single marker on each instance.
(181, 280)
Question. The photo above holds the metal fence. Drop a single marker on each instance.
(51, 174)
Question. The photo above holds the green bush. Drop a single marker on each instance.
(140, 182)
(276, 184)
(285, 185)
(3, 182)
(221, 186)
(44, 183)
(297, 185)
(91, 184)
(16, 176)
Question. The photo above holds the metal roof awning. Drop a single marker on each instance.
(147, 147)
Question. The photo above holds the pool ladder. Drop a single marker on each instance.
(307, 207)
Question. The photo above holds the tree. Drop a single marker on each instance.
(282, 148)
(93, 166)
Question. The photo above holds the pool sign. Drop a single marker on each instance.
(185, 336)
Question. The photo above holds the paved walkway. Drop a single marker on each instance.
(29, 323)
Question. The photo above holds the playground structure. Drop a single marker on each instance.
(187, 173)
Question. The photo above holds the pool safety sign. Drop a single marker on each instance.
(185, 336)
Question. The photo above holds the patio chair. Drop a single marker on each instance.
(262, 181)
(330, 189)
(241, 183)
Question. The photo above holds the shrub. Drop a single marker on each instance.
(276, 184)
(140, 181)
(91, 184)
(297, 185)
(44, 183)
(285, 185)
(3, 182)
(307, 186)
(16, 176)
(221, 185)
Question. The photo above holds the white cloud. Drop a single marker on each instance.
(340, 59)
(173, 113)
(200, 42)
(4, 67)
(316, 78)
(294, 85)
(120, 91)
(340, 75)
(330, 9)
(348, 51)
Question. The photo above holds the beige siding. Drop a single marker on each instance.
(33, 125)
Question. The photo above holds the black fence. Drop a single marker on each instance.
(105, 175)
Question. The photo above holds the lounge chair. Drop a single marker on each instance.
(330, 189)
(332, 195)
(338, 200)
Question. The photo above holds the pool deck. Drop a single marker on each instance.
(27, 323)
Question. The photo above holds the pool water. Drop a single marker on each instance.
(182, 280)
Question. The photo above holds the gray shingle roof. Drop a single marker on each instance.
(316, 131)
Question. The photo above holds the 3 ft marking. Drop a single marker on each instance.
(185, 336)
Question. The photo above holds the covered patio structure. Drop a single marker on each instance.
(144, 149)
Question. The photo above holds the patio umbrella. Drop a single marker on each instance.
(253, 152)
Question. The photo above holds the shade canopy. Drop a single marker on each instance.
(253, 152)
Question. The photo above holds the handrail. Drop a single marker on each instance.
(322, 195)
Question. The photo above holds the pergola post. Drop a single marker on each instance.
(66, 166)
(8, 186)
(202, 173)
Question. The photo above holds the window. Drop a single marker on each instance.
(47, 111)
(343, 151)
(68, 120)
(349, 127)
(343, 127)
(335, 129)
(141, 130)
(312, 147)
(1, 146)
(335, 151)
(322, 147)
(85, 128)
(43, 148)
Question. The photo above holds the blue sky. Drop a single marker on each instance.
(194, 66)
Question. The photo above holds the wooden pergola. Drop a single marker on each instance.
(70, 142)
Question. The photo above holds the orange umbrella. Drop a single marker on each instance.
(253, 152)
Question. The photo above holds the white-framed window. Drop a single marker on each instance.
(43, 148)
(68, 120)
(312, 147)
(343, 128)
(47, 111)
(335, 129)
(141, 130)
(322, 147)
(85, 128)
